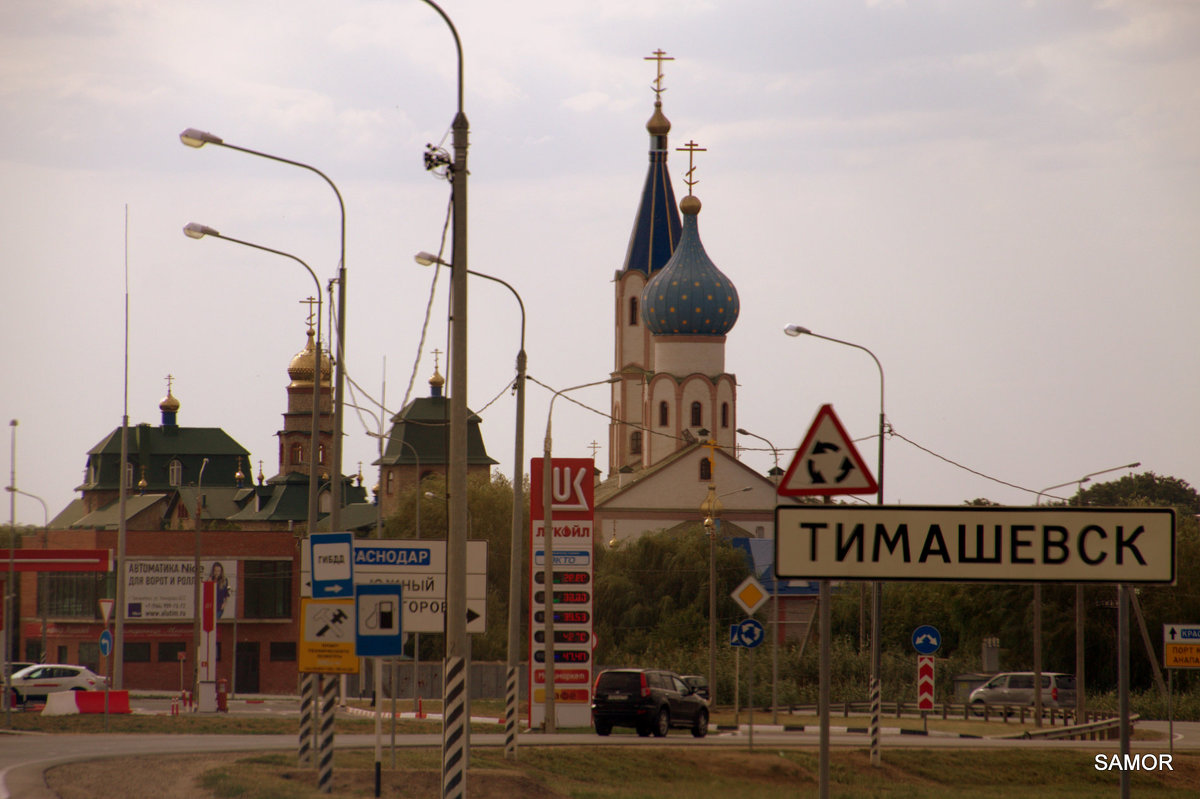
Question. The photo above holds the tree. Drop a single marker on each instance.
(652, 593)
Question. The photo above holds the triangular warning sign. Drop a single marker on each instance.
(826, 464)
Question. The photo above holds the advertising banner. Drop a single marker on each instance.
(162, 589)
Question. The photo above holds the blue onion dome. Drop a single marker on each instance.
(690, 296)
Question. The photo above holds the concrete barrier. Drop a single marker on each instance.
(65, 703)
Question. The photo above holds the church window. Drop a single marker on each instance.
(297, 453)
(724, 414)
(175, 473)
(391, 483)
(325, 502)
(633, 311)
(129, 475)
(635, 442)
(663, 414)
(321, 454)
(697, 412)
(705, 469)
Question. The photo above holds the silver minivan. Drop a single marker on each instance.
(1016, 688)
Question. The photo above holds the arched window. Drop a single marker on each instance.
(724, 414)
(297, 455)
(633, 311)
(635, 442)
(129, 475)
(391, 483)
(321, 454)
(705, 469)
(697, 412)
(175, 473)
(325, 502)
(663, 414)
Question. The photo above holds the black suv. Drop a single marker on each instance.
(649, 700)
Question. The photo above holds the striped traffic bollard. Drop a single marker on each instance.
(510, 714)
(308, 694)
(454, 729)
(875, 711)
(329, 697)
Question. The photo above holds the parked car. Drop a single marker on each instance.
(697, 683)
(649, 700)
(13, 668)
(37, 681)
(1016, 688)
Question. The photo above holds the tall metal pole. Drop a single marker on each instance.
(456, 666)
(876, 586)
(118, 658)
(9, 584)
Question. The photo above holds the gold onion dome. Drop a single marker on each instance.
(658, 124)
(300, 370)
(169, 404)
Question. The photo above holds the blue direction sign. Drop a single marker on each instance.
(926, 639)
(106, 642)
(378, 610)
(332, 564)
(748, 633)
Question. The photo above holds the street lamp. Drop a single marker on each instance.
(548, 558)
(45, 532)
(198, 138)
(455, 730)
(511, 693)
(196, 231)
(876, 587)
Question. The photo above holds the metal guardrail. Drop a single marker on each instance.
(1105, 729)
(1060, 719)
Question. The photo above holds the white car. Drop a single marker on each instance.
(35, 682)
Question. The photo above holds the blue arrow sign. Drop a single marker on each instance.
(926, 639)
(106, 642)
(332, 564)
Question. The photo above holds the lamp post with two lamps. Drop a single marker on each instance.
(198, 138)
(876, 587)
(511, 692)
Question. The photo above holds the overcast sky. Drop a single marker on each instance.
(998, 199)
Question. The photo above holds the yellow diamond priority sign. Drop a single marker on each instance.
(750, 595)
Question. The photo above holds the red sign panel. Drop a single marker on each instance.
(924, 682)
(208, 600)
(573, 488)
(59, 560)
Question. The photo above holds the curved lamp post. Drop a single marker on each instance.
(45, 532)
(548, 558)
(198, 138)
(456, 732)
(511, 693)
(876, 586)
(196, 231)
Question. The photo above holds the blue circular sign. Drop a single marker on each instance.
(750, 633)
(106, 643)
(926, 639)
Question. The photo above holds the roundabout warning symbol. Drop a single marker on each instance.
(826, 463)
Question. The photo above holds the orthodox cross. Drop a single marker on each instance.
(594, 447)
(691, 148)
(170, 380)
(659, 56)
(310, 301)
(436, 353)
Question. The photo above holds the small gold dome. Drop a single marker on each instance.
(169, 403)
(301, 367)
(690, 205)
(437, 381)
(658, 124)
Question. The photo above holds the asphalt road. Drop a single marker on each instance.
(25, 757)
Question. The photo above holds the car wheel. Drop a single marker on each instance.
(662, 723)
(603, 727)
(977, 708)
(643, 730)
(700, 728)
